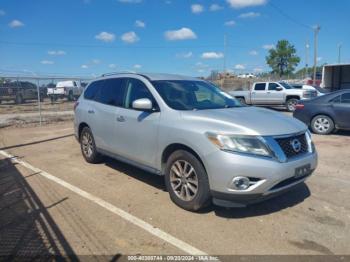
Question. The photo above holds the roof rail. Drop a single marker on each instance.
(118, 73)
(125, 72)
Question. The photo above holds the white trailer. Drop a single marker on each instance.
(336, 77)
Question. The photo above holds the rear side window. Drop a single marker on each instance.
(92, 89)
(112, 92)
(272, 86)
(345, 98)
(259, 87)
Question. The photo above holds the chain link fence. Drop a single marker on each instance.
(38, 100)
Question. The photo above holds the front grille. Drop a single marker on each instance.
(286, 145)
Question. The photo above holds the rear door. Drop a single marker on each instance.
(342, 110)
(106, 107)
(258, 95)
(137, 131)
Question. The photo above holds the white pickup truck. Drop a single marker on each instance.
(65, 89)
(273, 94)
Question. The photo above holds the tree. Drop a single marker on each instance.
(283, 58)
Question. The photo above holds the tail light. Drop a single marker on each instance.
(76, 105)
(299, 106)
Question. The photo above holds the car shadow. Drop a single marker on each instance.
(342, 133)
(289, 199)
(27, 230)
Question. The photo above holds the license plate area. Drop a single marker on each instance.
(302, 171)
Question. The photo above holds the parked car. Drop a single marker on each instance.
(327, 113)
(202, 140)
(65, 89)
(273, 94)
(19, 91)
(246, 76)
(320, 91)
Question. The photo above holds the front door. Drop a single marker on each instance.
(137, 131)
(342, 110)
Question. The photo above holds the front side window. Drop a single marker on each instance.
(112, 92)
(93, 89)
(260, 87)
(193, 95)
(273, 86)
(136, 89)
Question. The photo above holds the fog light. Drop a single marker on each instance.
(241, 183)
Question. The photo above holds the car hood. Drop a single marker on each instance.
(243, 121)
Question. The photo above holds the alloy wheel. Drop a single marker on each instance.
(87, 144)
(322, 124)
(183, 180)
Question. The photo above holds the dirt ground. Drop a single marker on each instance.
(31, 106)
(313, 219)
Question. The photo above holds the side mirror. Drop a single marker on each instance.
(279, 88)
(143, 104)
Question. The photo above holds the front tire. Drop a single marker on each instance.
(291, 104)
(19, 99)
(322, 125)
(187, 181)
(242, 100)
(88, 146)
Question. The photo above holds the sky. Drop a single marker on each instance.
(91, 37)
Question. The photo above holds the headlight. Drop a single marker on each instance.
(242, 144)
(310, 144)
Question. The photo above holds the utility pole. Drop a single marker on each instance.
(339, 52)
(225, 53)
(307, 46)
(316, 31)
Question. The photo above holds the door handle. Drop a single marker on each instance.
(91, 111)
(120, 119)
(268, 92)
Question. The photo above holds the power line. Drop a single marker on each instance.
(112, 46)
(289, 17)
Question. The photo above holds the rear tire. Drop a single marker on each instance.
(88, 146)
(291, 104)
(19, 99)
(322, 125)
(242, 100)
(187, 181)
(70, 96)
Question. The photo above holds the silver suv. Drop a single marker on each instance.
(206, 144)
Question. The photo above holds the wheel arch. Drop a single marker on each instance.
(81, 127)
(174, 147)
(291, 97)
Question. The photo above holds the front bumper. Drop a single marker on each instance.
(272, 177)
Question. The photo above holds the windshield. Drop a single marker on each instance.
(286, 86)
(193, 95)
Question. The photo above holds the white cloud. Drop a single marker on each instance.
(2, 12)
(15, 23)
(130, 1)
(253, 52)
(84, 66)
(249, 15)
(245, 3)
(319, 59)
(230, 23)
(212, 55)
(96, 61)
(105, 37)
(257, 70)
(239, 67)
(56, 52)
(185, 55)
(112, 66)
(137, 66)
(130, 37)
(46, 62)
(197, 8)
(139, 23)
(215, 7)
(268, 46)
(181, 34)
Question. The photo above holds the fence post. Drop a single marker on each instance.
(39, 102)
